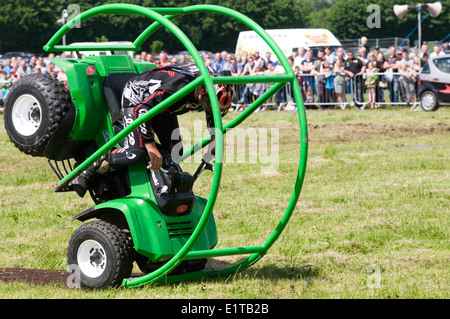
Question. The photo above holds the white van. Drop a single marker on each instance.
(288, 40)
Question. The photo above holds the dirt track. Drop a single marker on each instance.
(34, 276)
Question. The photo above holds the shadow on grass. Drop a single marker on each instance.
(307, 272)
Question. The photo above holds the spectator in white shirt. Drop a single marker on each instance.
(436, 51)
(300, 57)
(330, 57)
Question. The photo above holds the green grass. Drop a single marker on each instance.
(376, 192)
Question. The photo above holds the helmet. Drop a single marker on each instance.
(224, 94)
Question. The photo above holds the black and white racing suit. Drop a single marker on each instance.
(140, 95)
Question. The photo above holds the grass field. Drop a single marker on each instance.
(372, 220)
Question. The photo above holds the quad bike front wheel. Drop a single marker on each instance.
(103, 254)
(35, 107)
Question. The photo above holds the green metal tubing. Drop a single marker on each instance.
(238, 120)
(122, 134)
(226, 252)
(292, 202)
(252, 79)
(149, 31)
(301, 169)
(244, 264)
(300, 110)
(294, 197)
(258, 254)
(299, 179)
(256, 251)
(121, 9)
(206, 79)
(250, 23)
(104, 47)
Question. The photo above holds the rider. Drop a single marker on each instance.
(143, 92)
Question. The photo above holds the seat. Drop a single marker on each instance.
(113, 85)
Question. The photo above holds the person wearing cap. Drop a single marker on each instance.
(376, 50)
(14, 77)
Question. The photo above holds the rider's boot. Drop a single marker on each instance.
(83, 181)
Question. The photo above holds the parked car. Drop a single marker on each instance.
(434, 83)
(26, 55)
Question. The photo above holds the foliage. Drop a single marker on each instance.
(28, 25)
(156, 46)
(348, 20)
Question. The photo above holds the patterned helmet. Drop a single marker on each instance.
(224, 94)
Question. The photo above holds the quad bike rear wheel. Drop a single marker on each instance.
(35, 107)
(103, 254)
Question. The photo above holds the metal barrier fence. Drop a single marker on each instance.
(389, 90)
(401, 91)
(315, 92)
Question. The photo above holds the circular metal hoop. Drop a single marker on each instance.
(162, 18)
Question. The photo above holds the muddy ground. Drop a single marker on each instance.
(34, 276)
(60, 277)
(317, 133)
(38, 276)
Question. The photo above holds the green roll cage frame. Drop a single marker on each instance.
(162, 18)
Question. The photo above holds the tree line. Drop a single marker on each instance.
(27, 25)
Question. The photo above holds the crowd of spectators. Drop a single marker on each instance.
(325, 77)
(17, 67)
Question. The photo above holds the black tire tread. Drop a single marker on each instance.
(123, 246)
(436, 105)
(58, 101)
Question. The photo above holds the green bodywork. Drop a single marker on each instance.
(154, 234)
(87, 95)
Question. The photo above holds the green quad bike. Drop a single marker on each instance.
(129, 222)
